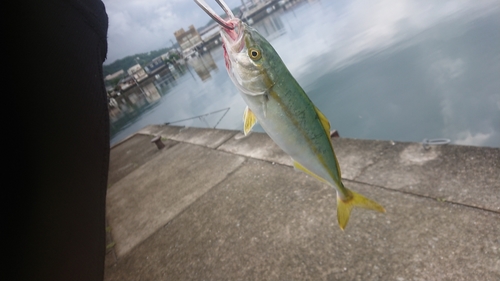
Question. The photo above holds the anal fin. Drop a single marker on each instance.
(298, 166)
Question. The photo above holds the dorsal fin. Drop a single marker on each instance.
(326, 126)
(324, 121)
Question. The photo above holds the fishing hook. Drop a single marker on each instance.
(204, 6)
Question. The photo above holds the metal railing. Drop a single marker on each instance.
(202, 117)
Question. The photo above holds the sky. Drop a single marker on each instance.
(139, 26)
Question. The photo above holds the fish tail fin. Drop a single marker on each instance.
(345, 206)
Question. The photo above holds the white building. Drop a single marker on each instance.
(114, 75)
(137, 72)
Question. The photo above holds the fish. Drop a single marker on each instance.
(279, 104)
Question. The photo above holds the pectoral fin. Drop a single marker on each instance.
(249, 120)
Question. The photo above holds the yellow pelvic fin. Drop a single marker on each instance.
(249, 120)
(324, 121)
(344, 207)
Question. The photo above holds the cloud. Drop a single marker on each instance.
(353, 28)
(137, 26)
(478, 139)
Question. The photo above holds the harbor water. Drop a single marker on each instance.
(386, 70)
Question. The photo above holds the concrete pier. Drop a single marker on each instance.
(214, 205)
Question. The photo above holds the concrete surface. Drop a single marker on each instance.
(160, 190)
(200, 136)
(129, 155)
(258, 146)
(467, 175)
(216, 206)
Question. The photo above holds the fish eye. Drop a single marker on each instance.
(254, 54)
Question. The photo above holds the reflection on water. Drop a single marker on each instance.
(270, 27)
(129, 105)
(388, 70)
(202, 65)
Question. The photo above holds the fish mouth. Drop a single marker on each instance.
(232, 42)
(233, 38)
(232, 30)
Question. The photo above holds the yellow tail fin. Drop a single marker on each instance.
(344, 207)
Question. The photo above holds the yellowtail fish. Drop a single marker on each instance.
(282, 108)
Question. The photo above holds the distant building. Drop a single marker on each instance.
(137, 72)
(126, 83)
(154, 66)
(210, 36)
(109, 88)
(166, 56)
(114, 75)
(188, 39)
(209, 32)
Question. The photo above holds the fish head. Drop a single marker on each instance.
(247, 56)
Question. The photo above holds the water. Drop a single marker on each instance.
(386, 70)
